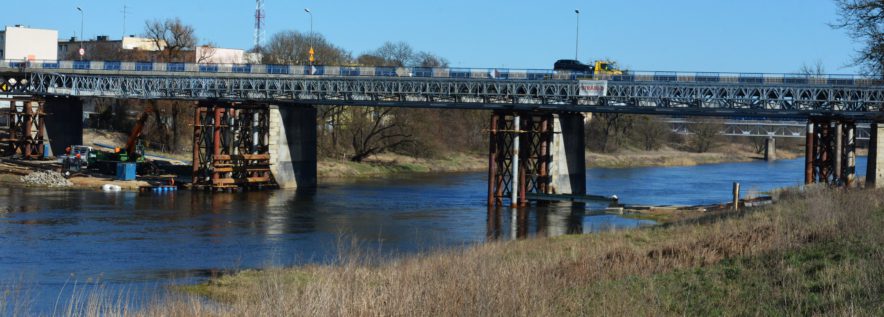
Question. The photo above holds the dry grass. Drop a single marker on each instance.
(390, 164)
(730, 152)
(814, 253)
(782, 259)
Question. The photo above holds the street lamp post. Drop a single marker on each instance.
(82, 23)
(577, 37)
(312, 39)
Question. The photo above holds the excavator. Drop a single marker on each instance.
(134, 150)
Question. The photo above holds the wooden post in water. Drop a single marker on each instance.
(736, 196)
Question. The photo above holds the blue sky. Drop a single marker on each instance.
(682, 35)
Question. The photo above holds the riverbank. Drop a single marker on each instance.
(666, 156)
(388, 164)
(811, 253)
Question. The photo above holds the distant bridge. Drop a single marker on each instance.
(759, 128)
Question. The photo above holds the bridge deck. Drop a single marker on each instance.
(764, 96)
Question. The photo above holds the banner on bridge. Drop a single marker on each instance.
(593, 88)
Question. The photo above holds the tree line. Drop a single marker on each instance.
(353, 133)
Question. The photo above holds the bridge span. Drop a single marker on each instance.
(536, 130)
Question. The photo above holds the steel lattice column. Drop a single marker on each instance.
(230, 147)
(25, 127)
(532, 173)
(831, 152)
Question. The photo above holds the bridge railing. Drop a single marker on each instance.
(452, 72)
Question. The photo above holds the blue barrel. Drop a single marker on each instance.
(46, 150)
(126, 171)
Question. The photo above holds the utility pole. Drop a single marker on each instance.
(577, 37)
(312, 36)
(82, 28)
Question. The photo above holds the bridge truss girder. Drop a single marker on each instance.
(714, 99)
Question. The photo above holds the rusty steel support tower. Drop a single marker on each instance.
(230, 146)
(24, 129)
(519, 156)
(831, 152)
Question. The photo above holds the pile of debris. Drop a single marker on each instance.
(46, 178)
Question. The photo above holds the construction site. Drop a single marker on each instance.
(231, 151)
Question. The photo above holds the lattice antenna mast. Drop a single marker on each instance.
(259, 24)
(125, 15)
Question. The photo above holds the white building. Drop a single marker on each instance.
(216, 55)
(19, 43)
(144, 44)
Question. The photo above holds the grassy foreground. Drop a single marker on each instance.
(820, 252)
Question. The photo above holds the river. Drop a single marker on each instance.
(51, 240)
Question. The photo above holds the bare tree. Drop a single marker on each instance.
(398, 54)
(706, 134)
(606, 132)
(650, 133)
(292, 47)
(205, 53)
(172, 37)
(864, 20)
(817, 69)
(427, 59)
(370, 60)
(374, 130)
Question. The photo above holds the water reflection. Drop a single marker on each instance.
(551, 220)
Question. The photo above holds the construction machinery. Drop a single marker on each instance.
(106, 161)
(598, 69)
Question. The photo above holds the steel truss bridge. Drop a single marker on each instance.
(757, 128)
(675, 94)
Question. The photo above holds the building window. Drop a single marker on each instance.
(1, 55)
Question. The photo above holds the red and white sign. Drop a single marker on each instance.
(82, 51)
(593, 88)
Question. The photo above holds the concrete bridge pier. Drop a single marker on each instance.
(770, 149)
(875, 167)
(831, 152)
(535, 152)
(64, 122)
(293, 146)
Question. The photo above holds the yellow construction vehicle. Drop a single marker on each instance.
(605, 68)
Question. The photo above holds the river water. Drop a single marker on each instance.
(51, 240)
